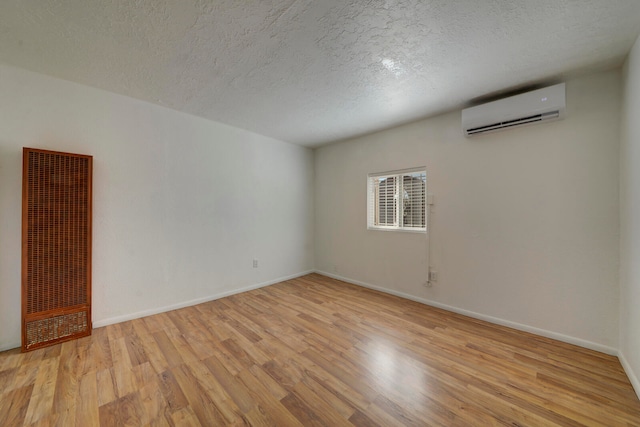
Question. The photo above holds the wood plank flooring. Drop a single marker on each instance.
(315, 352)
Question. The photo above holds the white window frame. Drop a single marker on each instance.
(373, 197)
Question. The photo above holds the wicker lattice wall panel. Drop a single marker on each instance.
(56, 247)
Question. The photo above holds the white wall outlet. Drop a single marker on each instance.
(433, 276)
(255, 263)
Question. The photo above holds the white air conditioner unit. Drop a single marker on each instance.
(527, 108)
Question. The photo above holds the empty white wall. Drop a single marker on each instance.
(630, 219)
(525, 223)
(182, 205)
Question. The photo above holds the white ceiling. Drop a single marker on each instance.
(311, 72)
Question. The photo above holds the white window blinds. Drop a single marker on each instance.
(397, 200)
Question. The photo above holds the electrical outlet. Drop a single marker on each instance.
(255, 263)
(433, 276)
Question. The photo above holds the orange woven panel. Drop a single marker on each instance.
(54, 329)
(56, 246)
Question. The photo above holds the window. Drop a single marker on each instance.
(397, 200)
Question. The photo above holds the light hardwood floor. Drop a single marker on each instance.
(313, 351)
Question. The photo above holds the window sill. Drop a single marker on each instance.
(401, 230)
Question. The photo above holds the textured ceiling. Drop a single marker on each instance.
(311, 72)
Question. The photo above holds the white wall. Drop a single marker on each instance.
(630, 219)
(525, 223)
(182, 205)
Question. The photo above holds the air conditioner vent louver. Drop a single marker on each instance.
(516, 122)
(528, 108)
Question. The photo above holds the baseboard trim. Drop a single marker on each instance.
(496, 320)
(630, 373)
(9, 347)
(152, 311)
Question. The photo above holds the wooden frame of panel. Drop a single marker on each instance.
(56, 247)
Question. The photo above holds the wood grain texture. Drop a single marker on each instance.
(313, 351)
(56, 247)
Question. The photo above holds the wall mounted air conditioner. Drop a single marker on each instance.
(527, 108)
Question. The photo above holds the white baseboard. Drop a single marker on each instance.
(149, 312)
(630, 373)
(635, 382)
(152, 311)
(519, 326)
(9, 346)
